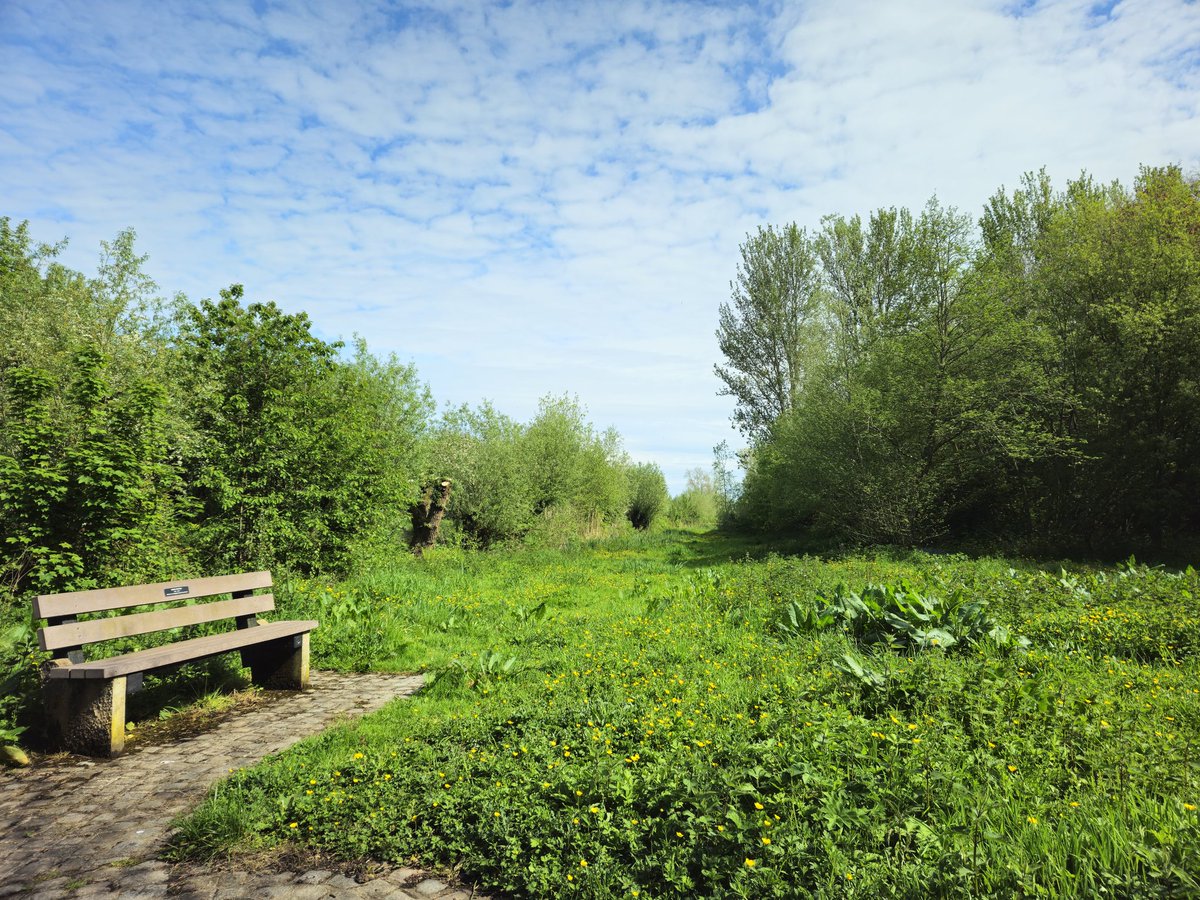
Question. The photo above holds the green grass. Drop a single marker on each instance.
(642, 717)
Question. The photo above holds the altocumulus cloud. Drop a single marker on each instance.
(548, 197)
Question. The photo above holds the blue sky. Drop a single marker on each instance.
(530, 198)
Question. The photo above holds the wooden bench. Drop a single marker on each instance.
(85, 700)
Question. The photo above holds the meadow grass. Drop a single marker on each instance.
(641, 717)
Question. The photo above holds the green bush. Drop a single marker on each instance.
(648, 495)
(548, 481)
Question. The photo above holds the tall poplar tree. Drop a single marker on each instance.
(768, 331)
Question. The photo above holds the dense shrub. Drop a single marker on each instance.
(648, 495)
(549, 480)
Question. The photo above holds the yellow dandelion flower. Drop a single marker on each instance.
(750, 863)
(1032, 820)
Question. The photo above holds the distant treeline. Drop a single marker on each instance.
(1032, 379)
(143, 438)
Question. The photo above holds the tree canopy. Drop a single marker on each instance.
(142, 438)
(1031, 378)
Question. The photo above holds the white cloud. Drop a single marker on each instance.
(533, 197)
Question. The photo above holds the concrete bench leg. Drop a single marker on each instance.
(279, 664)
(86, 715)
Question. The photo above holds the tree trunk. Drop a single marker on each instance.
(427, 516)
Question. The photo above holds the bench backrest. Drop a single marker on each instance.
(64, 631)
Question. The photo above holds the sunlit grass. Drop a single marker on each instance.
(628, 719)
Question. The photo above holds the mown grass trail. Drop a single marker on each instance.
(665, 716)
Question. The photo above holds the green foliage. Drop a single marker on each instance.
(47, 312)
(294, 454)
(647, 494)
(899, 617)
(1118, 271)
(33, 486)
(547, 482)
(698, 503)
(572, 466)
(87, 490)
(87, 499)
(19, 679)
(1032, 379)
(651, 733)
(253, 378)
(480, 450)
(141, 440)
(696, 506)
(767, 334)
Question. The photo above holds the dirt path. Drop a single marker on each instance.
(93, 828)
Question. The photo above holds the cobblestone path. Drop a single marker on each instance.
(93, 828)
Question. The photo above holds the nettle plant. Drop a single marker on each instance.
(898, 617)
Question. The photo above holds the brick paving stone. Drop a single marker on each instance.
(316, 876)
(82, 828)
(297, 892)
(429, 887)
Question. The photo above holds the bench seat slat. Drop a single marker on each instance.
(49, 606)
(182, 651)
(75, 634)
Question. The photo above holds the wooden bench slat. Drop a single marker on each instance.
(76, 634)
(182, 651)
(49, 606)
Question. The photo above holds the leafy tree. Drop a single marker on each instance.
(725, 482)
(868, 275)
(375, 440)
(577, 472)
(550, 479)
(293, 454)
(647, 494)
(768, 332)
(1115, 273)
(32, 487)
(697, 504)
(480, 450)
(88, 494)
(930, 387)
